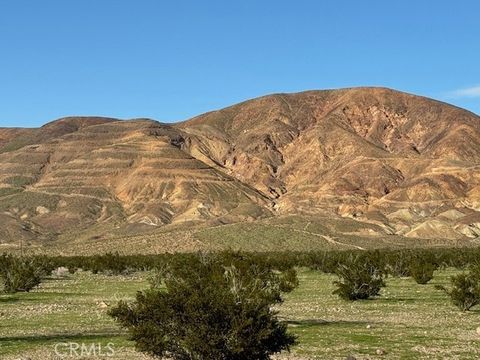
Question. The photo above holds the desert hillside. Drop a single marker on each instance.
(393, 163)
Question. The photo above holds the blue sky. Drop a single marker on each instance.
(171, 60)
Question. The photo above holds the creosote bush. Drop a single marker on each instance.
(465, 289)
(399, 267)
(19, 274)
(395, 261)
(210, 307)
(109, 264)
(422, 272)
(360, 277)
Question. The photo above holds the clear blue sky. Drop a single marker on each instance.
(170, 60)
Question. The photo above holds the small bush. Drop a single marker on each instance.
(422, 272)
(210, 307)
(19, 274)
(465, 290)
(361, 277)
(398, 263)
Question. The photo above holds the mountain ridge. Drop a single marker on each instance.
(381, 157)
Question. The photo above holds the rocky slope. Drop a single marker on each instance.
(374, 154)
(397, 163)
(121, 173)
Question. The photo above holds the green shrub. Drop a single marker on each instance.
(109, 264)
(465, 290)
(210, 307)
(361, 277)
(398, 263)
(19, 274)
(395, 262)
(422, 272)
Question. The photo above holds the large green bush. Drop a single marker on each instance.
(421, 271)
(465, 289)
(360, 277)
(19, 274)
(210, 307)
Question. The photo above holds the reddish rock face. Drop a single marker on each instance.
(376, 155)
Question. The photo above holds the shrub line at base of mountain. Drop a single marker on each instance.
(361, 274)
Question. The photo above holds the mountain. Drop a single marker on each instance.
(363, 152)
(391, 163)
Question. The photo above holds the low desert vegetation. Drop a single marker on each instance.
(210, 307)
(19, 274)
(360, 277)
(465, 289)
(422, 272)
(228, 305)
(111, 263)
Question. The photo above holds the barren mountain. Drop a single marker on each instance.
(395, 163)
(374, 154)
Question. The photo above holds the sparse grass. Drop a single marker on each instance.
(64, 310)
(292, 233)
(19, 181)
(17, 143)
(6, 191)
(303, 233)
(77, 189)
(260, 237)
(29, 200)
(408, 321)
